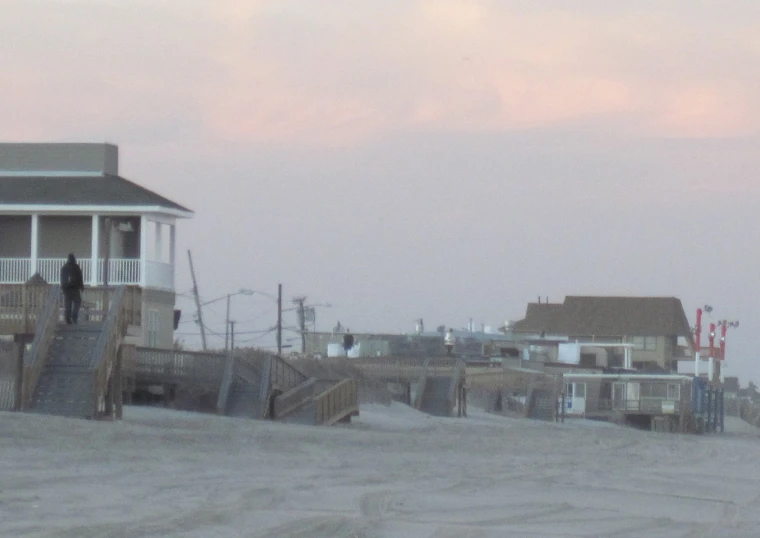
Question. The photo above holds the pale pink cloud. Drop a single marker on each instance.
(298, 72)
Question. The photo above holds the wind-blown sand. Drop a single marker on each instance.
(393, 473)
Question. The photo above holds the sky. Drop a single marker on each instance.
(398, 159)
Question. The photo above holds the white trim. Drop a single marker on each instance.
(158, 245)
(95, 249)
(51, 173)
(143, 250)
(35, 244)
(629, 377)
(28, 209)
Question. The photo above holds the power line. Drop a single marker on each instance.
(220, 335)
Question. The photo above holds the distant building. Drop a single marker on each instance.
(655, 327)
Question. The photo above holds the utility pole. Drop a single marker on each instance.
(197, 302)
(279, 320)
(232, 336)
(301, 321)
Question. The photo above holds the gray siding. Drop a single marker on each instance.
(15, 237)
(58, 236)
(64, 157)
(161, 302)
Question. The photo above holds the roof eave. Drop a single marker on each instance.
(26, 209)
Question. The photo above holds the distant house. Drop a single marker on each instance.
(731, 387)
(655, 327)
(62, 198)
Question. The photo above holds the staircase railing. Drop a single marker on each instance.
(104, 357)
(294, 398)
(456, 381)
(337, 402)
(21, 306)
(224, 387)
(266, 388)
(34, 361)
(172, 366)
(422, 383)
(284, 375)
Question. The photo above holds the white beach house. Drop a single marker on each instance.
(62, 198)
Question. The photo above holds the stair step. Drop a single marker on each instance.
(64, 392)
(65, 386)
(244, 404)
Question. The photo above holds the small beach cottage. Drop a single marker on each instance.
(61, 198)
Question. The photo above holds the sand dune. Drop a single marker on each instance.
(393, 473)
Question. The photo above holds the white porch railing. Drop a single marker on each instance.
(120, 271)
(15, 270)
(50, 269)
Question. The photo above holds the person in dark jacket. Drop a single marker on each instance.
(72, 284)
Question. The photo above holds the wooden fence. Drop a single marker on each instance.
(21, 305)
(337, 402)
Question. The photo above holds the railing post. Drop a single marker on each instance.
(25, 309)
(18, 396)
(118, 382)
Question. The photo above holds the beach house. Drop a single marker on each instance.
(63, 198)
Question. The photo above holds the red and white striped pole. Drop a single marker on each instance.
(723, 329)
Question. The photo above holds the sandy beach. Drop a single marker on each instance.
(394, 472)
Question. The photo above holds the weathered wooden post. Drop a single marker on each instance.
(109, 397)
(118, 383)
(20, 341)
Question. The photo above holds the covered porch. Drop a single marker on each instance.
(136, 250)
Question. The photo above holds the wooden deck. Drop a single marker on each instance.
(21, 305)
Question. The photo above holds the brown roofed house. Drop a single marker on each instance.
(652, 324)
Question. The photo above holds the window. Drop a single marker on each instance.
(645, 343)
(575, 390)
(653, 390)
(674, 391)
(152, 328)
(588, 359)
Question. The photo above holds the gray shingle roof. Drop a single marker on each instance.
(84, 190)
(609, 316)
(540, 317)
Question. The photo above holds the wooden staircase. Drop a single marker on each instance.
(66, 383)
(438, 394)
(75, 370)
(245, 392)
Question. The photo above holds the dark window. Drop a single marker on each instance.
(616, 361)
(588, 359)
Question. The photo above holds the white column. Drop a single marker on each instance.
(710, 371)
(173, 251)
(35, 244)
(172, 244)
(143, 250)
(696, 364)
(95, 250)
(159, 243)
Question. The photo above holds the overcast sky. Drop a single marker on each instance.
(442, 159)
